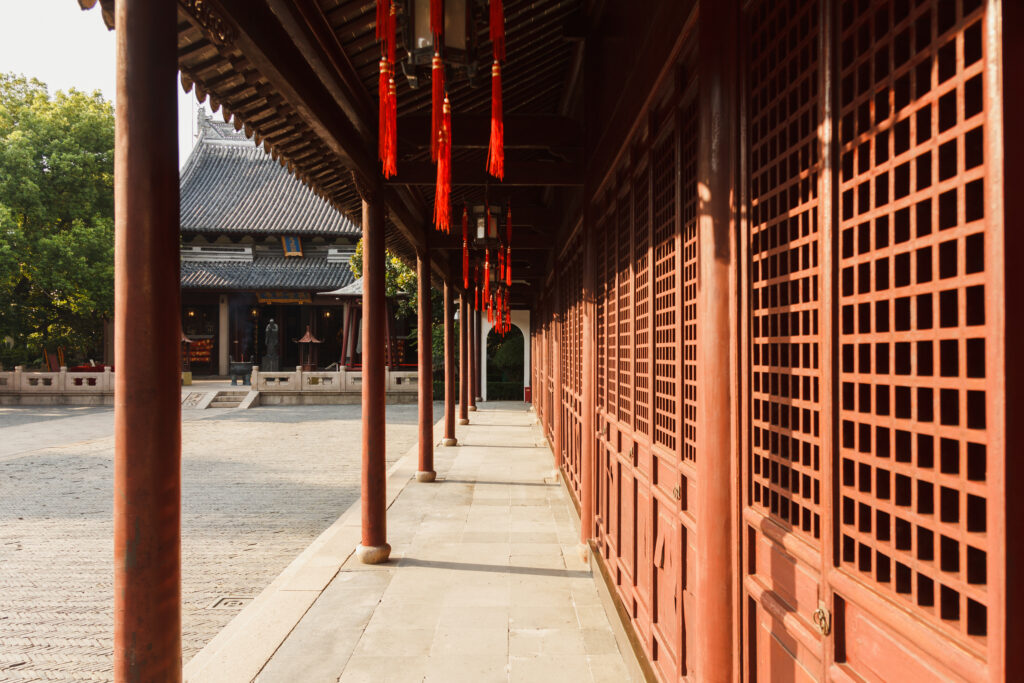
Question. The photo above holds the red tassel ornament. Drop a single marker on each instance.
(465, 247)
(487, 277)
(387, 131)
(442, 194)
(437, 102)
(436, 19)
(496, 147)
(498, 29)
(508, 247)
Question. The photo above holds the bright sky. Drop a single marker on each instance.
(64, 47)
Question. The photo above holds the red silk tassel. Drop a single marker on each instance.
(498, 29)
(496, 148)
(487, 275)
(437, 103)
(508, 247)
(387, 131)
(436, 18)
(465, 247)
(382, 110)
(443, 192)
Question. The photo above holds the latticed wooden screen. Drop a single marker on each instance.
(868, 403)
(571, 350)
(666, 292)
(641, 302)
(785, 247)
(913, 283)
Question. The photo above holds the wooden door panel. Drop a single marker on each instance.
(874, 654)
(667, 612)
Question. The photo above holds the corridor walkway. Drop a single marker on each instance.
(485, 582)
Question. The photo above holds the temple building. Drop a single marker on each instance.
(256, 245)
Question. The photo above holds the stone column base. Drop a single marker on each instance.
(426, 476)
(471, 408)
(450, 442)
(373, 554)
(463, 420)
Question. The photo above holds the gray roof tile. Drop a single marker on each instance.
(229, 185)
(266, 273)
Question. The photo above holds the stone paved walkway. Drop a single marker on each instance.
(257, 486)
(485, 583)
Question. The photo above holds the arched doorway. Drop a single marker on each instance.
(505, 366)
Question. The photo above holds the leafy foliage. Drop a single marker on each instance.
(56, 220)
(399, 281)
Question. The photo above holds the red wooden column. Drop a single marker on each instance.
(449, 369)
(374, 548)
(478, 387)
(425, 471)
(474, 356)
(589, 377)
(716, 235)
(1006, 631)
(464, 392)
(147, 334)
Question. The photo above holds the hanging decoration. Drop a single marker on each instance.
(442, 193)
(508, 247)
(496, 148)
(465, 247)
(437, 103)
(487, 278)
(387, 132)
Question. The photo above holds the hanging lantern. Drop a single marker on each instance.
(444, 27)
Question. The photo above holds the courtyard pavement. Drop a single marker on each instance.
(486, 582)
(258, 486)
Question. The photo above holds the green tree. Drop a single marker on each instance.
(399, 281)
(56, 220)
(400, 285)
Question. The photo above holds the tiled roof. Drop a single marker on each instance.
(316, 274)
(229, 185)
(354, 288)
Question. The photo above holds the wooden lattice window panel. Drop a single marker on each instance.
(913, 447)
(642, 303)
(785, 265)
(625, 267)
(663, 204)
(602, 311)
(613, 243)
(688, 168)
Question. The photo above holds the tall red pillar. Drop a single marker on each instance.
(717, 229)
(589, 377)
(425, 472)
(374, 548)
(449, 368)
(474, 356)
(464, 327)
(147, 335)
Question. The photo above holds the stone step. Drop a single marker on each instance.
(218, 403)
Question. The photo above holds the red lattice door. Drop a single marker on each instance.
(786, 511)
(870, 275)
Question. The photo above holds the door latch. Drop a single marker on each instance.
(823, 619)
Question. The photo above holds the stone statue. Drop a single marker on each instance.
(270, 359)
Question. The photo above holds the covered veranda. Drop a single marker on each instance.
(764, 247)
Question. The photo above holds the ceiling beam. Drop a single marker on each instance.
(267, 45)
(474, 130)
(517, 173)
